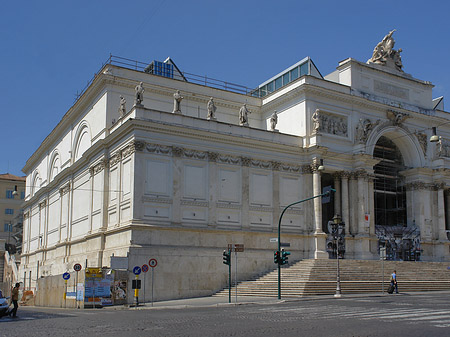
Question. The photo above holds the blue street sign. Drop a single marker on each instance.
(136, 270)
(66, 276)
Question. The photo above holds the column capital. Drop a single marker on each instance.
(315, 165)
(346, 174)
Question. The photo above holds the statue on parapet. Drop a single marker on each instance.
(177, 98)
(273, 121)
(122, 108)
(385, 54)
(139, 96)
(211, 109)
(243, 115)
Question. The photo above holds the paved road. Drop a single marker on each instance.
(426, 314)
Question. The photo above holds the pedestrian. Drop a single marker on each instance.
(394, 281)
(15, 299)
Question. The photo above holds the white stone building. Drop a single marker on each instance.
(153, 183)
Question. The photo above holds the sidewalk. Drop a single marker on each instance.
(212, 301)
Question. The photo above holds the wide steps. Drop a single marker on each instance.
(318, 277)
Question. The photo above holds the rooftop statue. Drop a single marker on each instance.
(211, 109)
(177, 98)
(385, 54)
(139, 95)
(243, 115)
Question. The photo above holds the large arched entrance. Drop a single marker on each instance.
(402, 242)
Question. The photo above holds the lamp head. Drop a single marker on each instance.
(434, 137)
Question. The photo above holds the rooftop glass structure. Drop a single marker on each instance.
(301, 68)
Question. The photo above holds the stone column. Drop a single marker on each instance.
(345, 205)
(353, 200)
(213, 179)
(442, 235)
(177, 154)
(276, 194)
(447, 209)
(362, 229)
(319, 235)
(371, 207)
(317, 189)
(245, 211)
(337, 195)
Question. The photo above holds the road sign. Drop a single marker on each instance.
(144, 268)
(238, 248)
(66, 276)
(77, 267)
(285, 244)
(273, 240)
(152, 263)
(136, 270)
(382, 253)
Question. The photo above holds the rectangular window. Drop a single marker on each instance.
(294, 73)
(22, 195)
(278, 83)
(269, 87)
(304, 69)
(285, 78)
(9, 194)
(9, 211)
(7, 227)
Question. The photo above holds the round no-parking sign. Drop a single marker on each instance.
(144, 268)
(153, 263)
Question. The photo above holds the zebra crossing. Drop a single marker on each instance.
(436, 317)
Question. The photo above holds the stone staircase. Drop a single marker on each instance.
(318, 277)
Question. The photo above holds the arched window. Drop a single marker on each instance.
(55, 165)
(36, 183)
(82, 141)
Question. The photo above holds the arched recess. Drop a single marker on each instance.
(396, 149)
(36, 183)
(406, 142)
(55, 165)
(82, 140)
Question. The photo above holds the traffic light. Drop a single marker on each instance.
(284, 256)
(227, 257)
(276, 257)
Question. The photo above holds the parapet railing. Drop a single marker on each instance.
(189, 77)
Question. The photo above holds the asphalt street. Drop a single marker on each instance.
(407, 314)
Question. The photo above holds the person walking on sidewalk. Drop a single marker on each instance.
(394, 281)
(15, 299)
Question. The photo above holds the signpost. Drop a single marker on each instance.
(136, 271)
(152, 263)
(66, 277)
(144, 269)
(382, 258)
(236, 248)
(77, 268)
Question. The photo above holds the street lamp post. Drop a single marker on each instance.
(279, 231)
(337, 225)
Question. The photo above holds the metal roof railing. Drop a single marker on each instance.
(192, 78)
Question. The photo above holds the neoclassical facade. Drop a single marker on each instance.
(144, 165)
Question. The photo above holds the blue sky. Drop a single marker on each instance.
(51, 49)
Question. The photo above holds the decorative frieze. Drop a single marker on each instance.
(361, 173)
(245, 161)
(158, 149)
(275, 165)
(193, 154)
(157, 200)
(42, 204)
(114, 159)
(229, 160)
(346, 174)
(423, 141)
(324, 122)
(177, 151)
(439, 186)
(187, 202)
(363, 129)
(213, 156)
(132, 148)
(260, 209)
(418, 185)
(228, 205)
(97, 168)
(260, 164)
(306, 169)
(65, 189)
